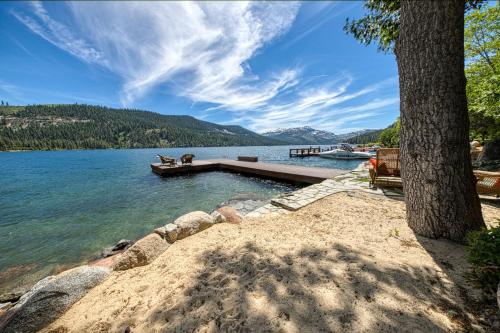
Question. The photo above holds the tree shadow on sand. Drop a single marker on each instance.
(312, 289)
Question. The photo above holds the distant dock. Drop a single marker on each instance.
(304, 152)
(281, 172)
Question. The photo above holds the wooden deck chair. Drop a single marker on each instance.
(187, 158)
(385, 171)
(488, 183)
(168, 161)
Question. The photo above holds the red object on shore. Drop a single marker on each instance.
(373, 162)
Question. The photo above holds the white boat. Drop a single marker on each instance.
(344, 154)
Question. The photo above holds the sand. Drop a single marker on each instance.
(347, 263)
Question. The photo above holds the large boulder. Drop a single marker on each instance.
(231, 214)
(50, 298)
(144, 251)
(191, 223)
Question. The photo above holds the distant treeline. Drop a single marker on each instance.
(365, 138)
(77, 126)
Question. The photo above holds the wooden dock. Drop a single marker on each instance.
(281, 172)
(304, 152)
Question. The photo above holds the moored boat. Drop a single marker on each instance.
(344, 154)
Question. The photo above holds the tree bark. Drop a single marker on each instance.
(440, 194)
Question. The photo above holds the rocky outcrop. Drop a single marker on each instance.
(191, 223)
(231, 214)
(141, 253)
(50, 298)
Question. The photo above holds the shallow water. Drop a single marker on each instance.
(60, 208)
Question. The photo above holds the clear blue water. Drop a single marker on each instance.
(61, 208)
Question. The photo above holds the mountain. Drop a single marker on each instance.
(302, 135)
(77, 126)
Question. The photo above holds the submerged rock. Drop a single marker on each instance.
(231, 214)
(50, 298)
(107, 252)
(122, 245)
(244, 205)
(143, 252)
(191, 223)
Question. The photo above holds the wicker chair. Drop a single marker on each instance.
(488, 183)
(187, 158)
(386, 169)
(168, 161)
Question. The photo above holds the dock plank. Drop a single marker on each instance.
(282, 172)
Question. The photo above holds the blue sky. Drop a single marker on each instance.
(260, 65)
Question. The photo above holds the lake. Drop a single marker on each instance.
(61, 208)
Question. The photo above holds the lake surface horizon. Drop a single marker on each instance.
(61, 208)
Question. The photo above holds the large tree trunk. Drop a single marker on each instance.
(440, 194)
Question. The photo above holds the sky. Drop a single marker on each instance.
(261, 65)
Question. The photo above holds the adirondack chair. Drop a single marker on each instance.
(385, 170)
(187, 158)
(168, 161)
(488, 183)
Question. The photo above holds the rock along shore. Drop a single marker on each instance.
(52, 296)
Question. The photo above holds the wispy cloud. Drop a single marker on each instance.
(58, 34)
(321, 107)
(318, 14)
(200, 49)
(16, 94)
(10, 92)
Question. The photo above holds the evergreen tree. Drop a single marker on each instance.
(86, 126)
(428, 39)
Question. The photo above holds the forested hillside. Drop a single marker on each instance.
(364, 138)
(78, 126)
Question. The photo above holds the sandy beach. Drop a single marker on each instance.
(347, 263)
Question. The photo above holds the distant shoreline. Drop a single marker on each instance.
(125, 148)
